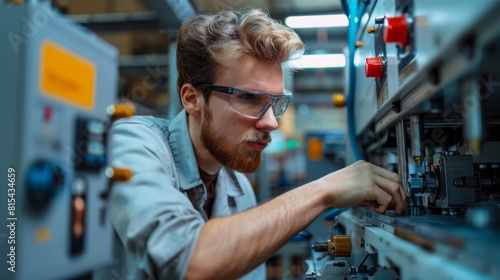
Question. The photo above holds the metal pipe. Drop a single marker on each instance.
(416, 132)
(402, 160)
(471, 114)
(174, 101)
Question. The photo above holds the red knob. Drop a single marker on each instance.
(374, 67)
(396, 30)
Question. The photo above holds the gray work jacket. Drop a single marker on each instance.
(158, 214)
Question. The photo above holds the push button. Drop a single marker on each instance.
(396, 30)
(374, 67)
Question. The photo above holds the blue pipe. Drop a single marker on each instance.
(352, 30)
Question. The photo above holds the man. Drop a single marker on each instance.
(188, 212)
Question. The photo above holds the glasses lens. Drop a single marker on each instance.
(254, 105)
(250, 104)
(281, 105)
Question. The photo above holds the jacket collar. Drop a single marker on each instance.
(183, 153)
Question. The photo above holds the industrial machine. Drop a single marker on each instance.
(58, 82)
(423, 101)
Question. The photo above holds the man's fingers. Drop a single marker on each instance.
(382, 172)
(404, 195)
(383, 200)
(394, 190)
(385, 191)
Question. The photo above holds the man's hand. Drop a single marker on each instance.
(363, 183)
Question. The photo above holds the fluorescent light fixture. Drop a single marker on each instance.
(319, 61)
(339, 20)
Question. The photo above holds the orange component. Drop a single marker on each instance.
(342, 246)
(371, 29)
(396, 30)
(120, 110)
(118, 174)
(315, 148)
(77, 227)
(339, 100)
(374, 67)
(42, 235)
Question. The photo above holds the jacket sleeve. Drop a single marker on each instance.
(155, 221)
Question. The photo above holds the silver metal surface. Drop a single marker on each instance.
(437, 109)
(416, 134)
(402, 154)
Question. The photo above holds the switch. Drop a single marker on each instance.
(396, 30)
(374, 67)
(78, 208)
(78, 215)
(44, 180)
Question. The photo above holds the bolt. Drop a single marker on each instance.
(371, 29)
(396, 107)
(458, 182)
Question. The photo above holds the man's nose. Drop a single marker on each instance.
(268, 121)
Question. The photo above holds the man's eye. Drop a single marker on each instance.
(248, 97)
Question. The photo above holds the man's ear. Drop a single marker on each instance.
(191, 99)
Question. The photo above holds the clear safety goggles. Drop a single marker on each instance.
(253, 104)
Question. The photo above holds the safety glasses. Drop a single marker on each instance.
(253, 104)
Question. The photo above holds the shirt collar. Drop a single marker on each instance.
(235, 188)
(183, 153)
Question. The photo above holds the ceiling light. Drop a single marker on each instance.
(319, 61)
(338, 20)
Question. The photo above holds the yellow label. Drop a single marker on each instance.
(66, 76)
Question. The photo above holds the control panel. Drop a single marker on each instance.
(59, 83)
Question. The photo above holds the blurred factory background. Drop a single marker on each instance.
(144, 31)
(421, 75)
